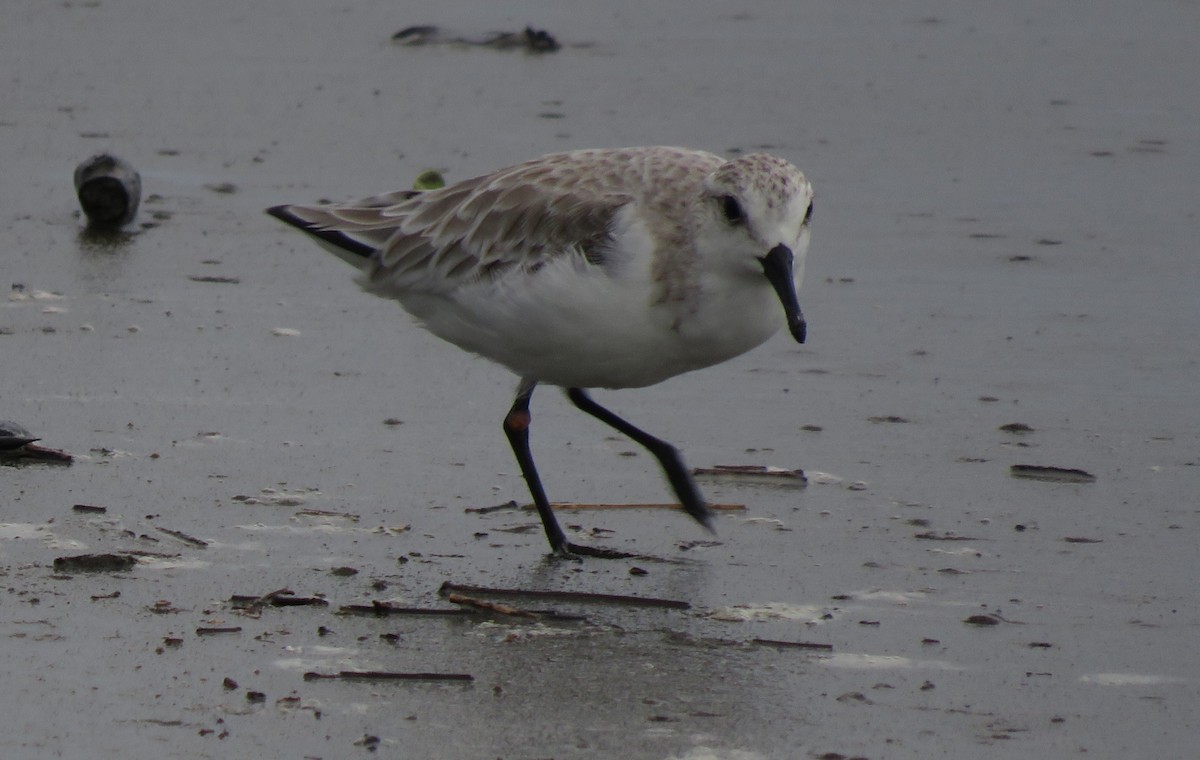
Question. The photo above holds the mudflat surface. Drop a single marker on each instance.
(1003, 272)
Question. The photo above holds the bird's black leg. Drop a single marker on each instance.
(666, 454)
(516, 427)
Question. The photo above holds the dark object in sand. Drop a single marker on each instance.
(94, 563)
(109, 190)
(448, 588)
(387, 675)
(1051, 474)
(530, 39)
(281, 598)
(753, 473)
(793, 644)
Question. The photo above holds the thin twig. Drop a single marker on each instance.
(184, 537)
(486, 606)
(794, 644)
(572, 505)
(564, 596)
(387, 675)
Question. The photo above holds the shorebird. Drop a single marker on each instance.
(607, 268)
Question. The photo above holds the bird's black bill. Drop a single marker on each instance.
(777, 266)
(8, 443)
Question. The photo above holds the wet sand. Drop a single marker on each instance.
(1002, 273)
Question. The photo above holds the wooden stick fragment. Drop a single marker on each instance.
(497, 508)
(184, 537)
(383, 609)
(387, 675)
(328, 513)
(486, 606)
(793, 644)
(281, 598)
(753, 473)
(575, 506)
(564, 596)
(1051, 474)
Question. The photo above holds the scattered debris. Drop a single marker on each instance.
(1016, 428)
(743, 613)
(931, 535)
(420, 34)
(215, 279)
(576, 506)
(94, 563)
(752, 473)
(387, 675)
(278, 498)
(448, 588)
(431, 179)
(384, 609)
(486, 606)
(328, 513)
(283, 597)
(508, 505)
(1051, 474)
(516, 529)
(771, 521)
(109, 190)
(369, 741)
(793, 644)
(218, 630)
(697, 544)
(184, 537)
(531, 40)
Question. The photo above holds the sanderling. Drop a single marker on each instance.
(613, 268)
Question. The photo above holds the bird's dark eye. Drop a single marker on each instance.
(732, 210)
(808, 214)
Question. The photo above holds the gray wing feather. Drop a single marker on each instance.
(517, 218)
